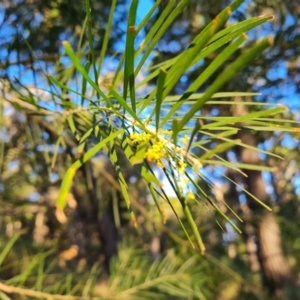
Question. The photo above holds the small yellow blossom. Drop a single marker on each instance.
(156, 153)
(191, 196)
(165, 131)
(185, 139)
(185, 180)
(140, 137)
(181, 166)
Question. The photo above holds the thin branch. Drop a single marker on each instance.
(29, 106)
(181, 151)
(36, 294)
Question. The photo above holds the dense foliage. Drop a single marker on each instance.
(156, 171)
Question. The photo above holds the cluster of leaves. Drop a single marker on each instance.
(154, 130)
(180, 274)
(130, 125)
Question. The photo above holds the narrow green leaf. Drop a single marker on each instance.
(107, 34)
(65, 187)
(21, 278)
(118, 73)
(129, 55)
(160, 88)
(140, 168)
(274, 128)
(124, 105)
(66, 88)
(112, 154)
(205, 75)
(175, 131)
(138, 156)
(196, 96)
(241, 27)
(90, 38)
(67, 180)
(156, 201)
(82, 34)
(73, 127)
(200, 190)
(228, 73)
(240, 166)
(84, 82)
(186, 58)
(40, 275)
(8, 247)
(241, 119)
(69, 284)
(178, 219)
(149, 177)
(195, 131)
(83, 72)
(248, 193)
(91, 280)
(237, 143)
(280, 120)
(202, 54)
(194, 228)
(222, 162)
(32, 265)
(219, 39)
(233, 212)
(227, 219)
(83, 140)
(56, 150)
(235, 31)
(215, 65)
(145, 21)
(167, 18)
(221, 148)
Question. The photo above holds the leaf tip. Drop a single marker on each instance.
(60, 216)
(142, 45)
(270, 40)
(202, 250)
(245, 35)
(163, 70)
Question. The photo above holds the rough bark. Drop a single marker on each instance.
(274, 268)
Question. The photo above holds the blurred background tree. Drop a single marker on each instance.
(262, 263)
(276, 76)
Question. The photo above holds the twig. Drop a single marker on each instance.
(181, 151)
(29, 106)
(194, 161)
(36, 294)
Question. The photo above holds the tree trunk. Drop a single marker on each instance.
(274, 268)
(276, 273)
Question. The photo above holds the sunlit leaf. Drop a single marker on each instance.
(67, 180)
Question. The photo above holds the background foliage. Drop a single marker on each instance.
(49, 122)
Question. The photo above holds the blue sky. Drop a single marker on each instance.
(287, 93)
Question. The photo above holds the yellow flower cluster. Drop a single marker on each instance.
(181, 167)
(185, 139)
(156, 153)
(191, 196)
(165, 131)
(183, 180)
(140, 137)
(184, 188)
